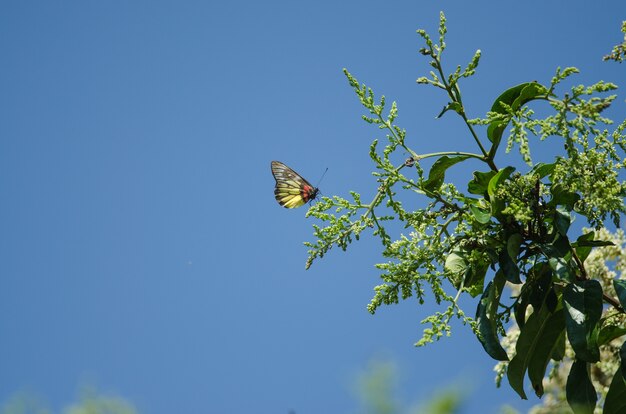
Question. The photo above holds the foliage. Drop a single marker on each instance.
(376, 389)
(501, 226)
(90, 403)
(619, 51)
(24, 404)
(610, 338)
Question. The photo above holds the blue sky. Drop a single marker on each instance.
(141, 248)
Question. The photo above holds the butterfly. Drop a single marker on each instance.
(291, 189)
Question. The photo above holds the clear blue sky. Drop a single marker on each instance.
(141, 248)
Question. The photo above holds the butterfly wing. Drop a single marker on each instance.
(291, 189)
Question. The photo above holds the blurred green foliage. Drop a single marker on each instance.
(376, 390)
(90, 402)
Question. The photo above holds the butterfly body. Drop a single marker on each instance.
(291, 189)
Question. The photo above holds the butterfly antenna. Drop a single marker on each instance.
(321, 178)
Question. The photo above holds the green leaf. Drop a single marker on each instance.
(542, 170)
(515, 374)
(561, 247)
(480, 182)
(615, 402)
(497, 205)
(508, 259)
(609, 332)
(475, 278)
(532, 90)
(438, 171)
(581, 395)
(481, 215)
(520, 309)
(494, 133)
(547, 343)
(513, 97)
(509, 267)
(583, 250)
(561, 269)
(487, 323)
(622, 356)
(583, 304)
(455, 106)
(498, 285)
(508, 97)
(456, 265)
(562, 220)
(563, 197)
(534, 294)
(498, 179)
(456, 262)
(537, 291)
(558, 352)
(620, 289)
(596, 243)
(513, 244)
(552, 300)
(528, 339)
(467, 276)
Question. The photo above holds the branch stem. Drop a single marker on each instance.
(455, 95)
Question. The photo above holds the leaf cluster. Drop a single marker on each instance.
(619, 51)
(501, 227)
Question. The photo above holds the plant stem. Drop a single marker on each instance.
(455, 96)
(438, 154)
(613, 302)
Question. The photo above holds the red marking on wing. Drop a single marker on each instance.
(306, 192)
